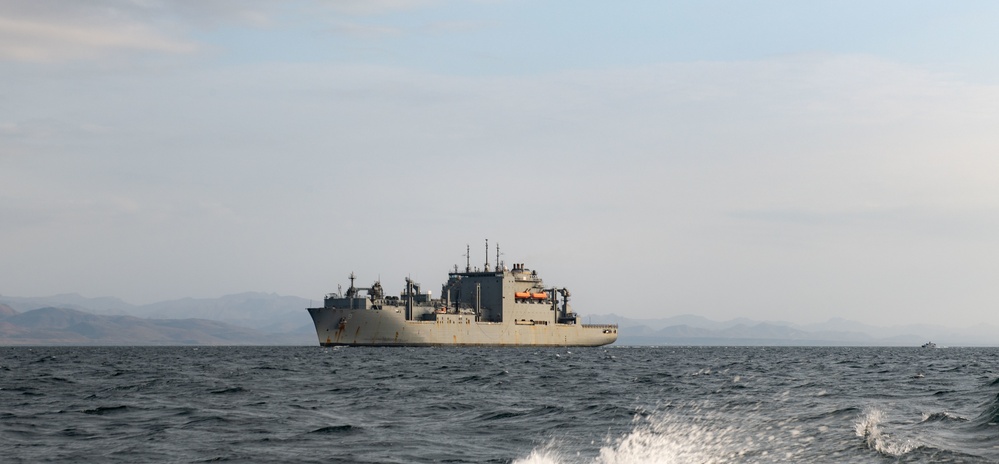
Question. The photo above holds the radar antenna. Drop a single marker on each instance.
(468, 258)
(352, 290)
(499, 264)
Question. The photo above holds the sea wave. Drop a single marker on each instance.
(758, 405)
(943, 417)
(990, 415)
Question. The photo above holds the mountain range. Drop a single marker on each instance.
(268, 319)
(696, 330)
(241, 319)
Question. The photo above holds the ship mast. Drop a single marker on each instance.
(486, 269)
(468, 258)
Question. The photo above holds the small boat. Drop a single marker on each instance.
(929, 345)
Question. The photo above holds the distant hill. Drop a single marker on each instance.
(262, 311)
(6, 311)
(696, 330)
(66, 326)
(266, 312)
(106, 305)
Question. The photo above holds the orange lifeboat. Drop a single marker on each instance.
(522, 295)
(540, 296)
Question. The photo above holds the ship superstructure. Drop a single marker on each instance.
(494, 306)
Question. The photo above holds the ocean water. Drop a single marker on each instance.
(569, 405)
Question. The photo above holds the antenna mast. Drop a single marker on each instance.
(468, 258)
(486, 269)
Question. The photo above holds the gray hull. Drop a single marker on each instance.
(389, 327)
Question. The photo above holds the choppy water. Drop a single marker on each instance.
(577, 405)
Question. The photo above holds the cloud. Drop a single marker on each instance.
(46, 130)
(46, 31)
(53, 31)
(364, 31)
(447, 27)
(56, 40)
(375, 7)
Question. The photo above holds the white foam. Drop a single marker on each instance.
(540, 456)
(692, 435)
(869, 428)
(668, 441)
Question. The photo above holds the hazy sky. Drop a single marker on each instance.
(792, 160)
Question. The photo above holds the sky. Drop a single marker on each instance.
(775, 160)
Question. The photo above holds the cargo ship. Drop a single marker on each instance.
(492, 306)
